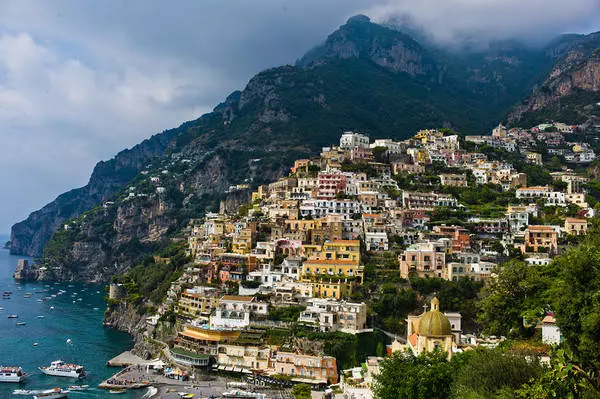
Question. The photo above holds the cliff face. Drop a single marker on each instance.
(31, 235)
(571, 89)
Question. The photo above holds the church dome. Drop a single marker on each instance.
(434, 323)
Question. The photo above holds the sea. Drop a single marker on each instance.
(70, 330)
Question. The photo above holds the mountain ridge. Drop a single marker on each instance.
(370, 78)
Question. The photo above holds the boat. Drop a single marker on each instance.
(59, 368)
(41, 317)
(1, 308)
(13, 316)
(55, 393)
(12, 374)
(235, 393)
(51, 307)
(117, 391)
(78, 387)
(21, 323)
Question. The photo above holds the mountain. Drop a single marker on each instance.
(571, 92)
(364, 77)
(29, 236)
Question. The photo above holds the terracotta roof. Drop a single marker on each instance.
(330, 262)
(540, 228)
(413, 339)
(575, 220)
(544, 188)
(549, 320)
(349, 242)
(239, 298)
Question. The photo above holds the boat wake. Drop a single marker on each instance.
(150, 393)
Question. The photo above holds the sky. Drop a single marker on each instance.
(82, 80)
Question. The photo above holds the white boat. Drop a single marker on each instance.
(55, 393)
(21, 323)
(1, 308)
(243, 394)
(78, 387)
(40, 317)
(13, 316)
(12, 374)
(117, 391)
(59, 368)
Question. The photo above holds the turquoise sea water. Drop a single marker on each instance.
(77, 315)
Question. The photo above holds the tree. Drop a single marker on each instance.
(487, 373)
(301, 391)
(576, 302)
(405, 376)
(518, 291)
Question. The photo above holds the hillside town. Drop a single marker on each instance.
(301, 252)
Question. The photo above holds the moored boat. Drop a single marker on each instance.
(12, 374)
(78, 387)
(58, 368)
(21, 323)
(13, 316)
(114, 391)
(55, 393)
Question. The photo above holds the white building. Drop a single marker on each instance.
(550, 331)
(237, 311)
(332, 315)
(350, 140)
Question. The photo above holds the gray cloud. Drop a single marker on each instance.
(80, 80)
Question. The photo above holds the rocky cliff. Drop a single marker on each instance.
(572, 90)
(31, 235)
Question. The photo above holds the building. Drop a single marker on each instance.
(550, 331)
(318, 368)
(426, 259)
(332, 315)
(350, 140)
(453, 180)
(540, 239)
(198, 301)
(203, 340)
(236, 311)
(431, 331)
(576, 226)
(532, 192)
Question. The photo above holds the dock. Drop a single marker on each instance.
(127, 359)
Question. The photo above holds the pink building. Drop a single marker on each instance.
(319, 368)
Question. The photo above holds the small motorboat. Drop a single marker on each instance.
(13, 316)
(51, 307)
(78, 387)
(35, 344)
(55, 393)
(21, 323)
(41, 317)
(116, 391)
(1, 308)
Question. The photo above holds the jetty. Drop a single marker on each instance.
(126, 359)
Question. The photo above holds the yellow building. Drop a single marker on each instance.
(198, 301)
(242, 243)
(576, 226)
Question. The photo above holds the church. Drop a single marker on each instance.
(431, 330)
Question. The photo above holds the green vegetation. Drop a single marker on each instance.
(287, 313)
(151, 279)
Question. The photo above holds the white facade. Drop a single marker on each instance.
(350, 140)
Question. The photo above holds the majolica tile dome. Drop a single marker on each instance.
(434, 323)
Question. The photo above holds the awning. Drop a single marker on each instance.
(246, 371)
(237, 369)
(230, 368)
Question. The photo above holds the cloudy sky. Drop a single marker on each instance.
(81, 80)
